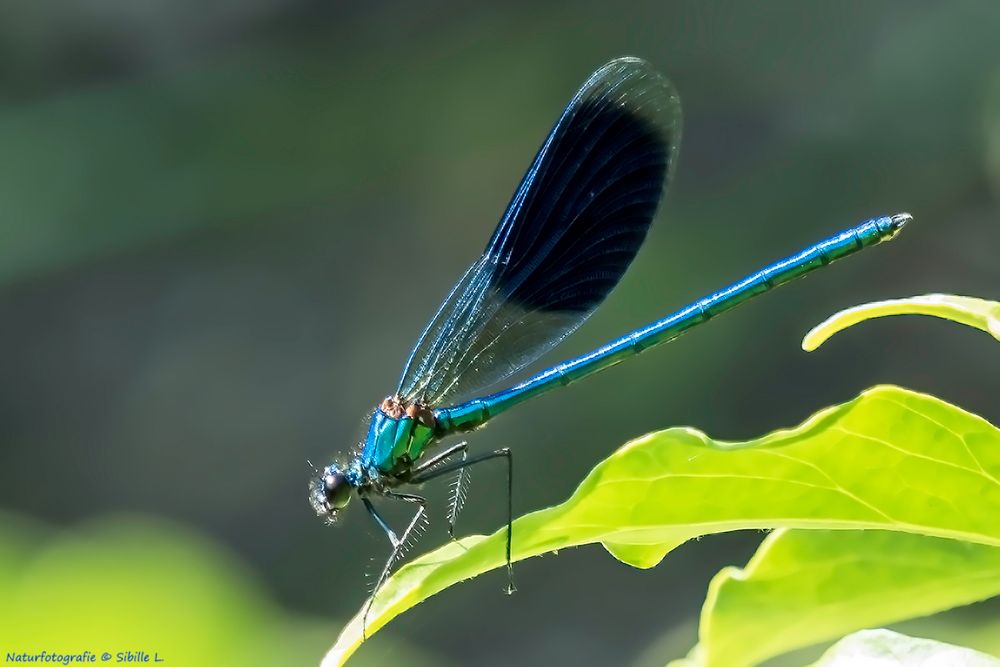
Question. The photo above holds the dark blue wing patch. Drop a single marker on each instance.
(586, 208)
(574, 225)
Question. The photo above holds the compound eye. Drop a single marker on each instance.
(338, 490)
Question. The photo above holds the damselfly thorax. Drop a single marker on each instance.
(398, 434)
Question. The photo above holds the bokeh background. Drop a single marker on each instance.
(222, 225)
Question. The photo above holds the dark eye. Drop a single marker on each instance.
(338, 490)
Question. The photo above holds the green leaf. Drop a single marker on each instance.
(978, 313)
(805, 587)
(890, 459)
(884, 648)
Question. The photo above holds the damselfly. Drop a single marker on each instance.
(574, 225)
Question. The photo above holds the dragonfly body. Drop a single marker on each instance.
(400, 434)
(575, 223)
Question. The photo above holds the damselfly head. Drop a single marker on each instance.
(330, 491)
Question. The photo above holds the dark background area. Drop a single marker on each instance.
(223, 226)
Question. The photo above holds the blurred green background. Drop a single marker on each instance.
(202, 209)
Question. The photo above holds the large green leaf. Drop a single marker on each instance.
(978, 313)
(884, 648)
(889, 459)
(804, 587)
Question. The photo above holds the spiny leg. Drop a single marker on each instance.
(460, 485)
(394, 541)
(465, 463)
(398, 543)
(459, 490)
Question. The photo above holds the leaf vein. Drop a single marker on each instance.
(959, 437)
(906, 452)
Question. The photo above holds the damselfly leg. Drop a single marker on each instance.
(458, 492)
(398, 543)
(466, 462)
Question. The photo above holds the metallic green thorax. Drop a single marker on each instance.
(397, 436)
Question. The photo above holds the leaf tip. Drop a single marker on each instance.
(818, 335)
